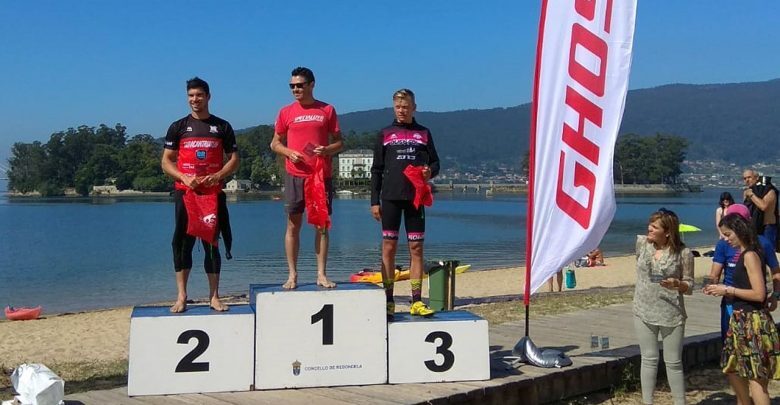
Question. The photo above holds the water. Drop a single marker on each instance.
(80, 254)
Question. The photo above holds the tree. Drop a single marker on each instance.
(649, 159)
(26, 167)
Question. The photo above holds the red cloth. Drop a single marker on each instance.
(315, 195)
(422, 190)
(202, 221)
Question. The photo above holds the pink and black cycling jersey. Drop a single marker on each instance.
(398, 146)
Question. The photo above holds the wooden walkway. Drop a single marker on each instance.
(570, 332)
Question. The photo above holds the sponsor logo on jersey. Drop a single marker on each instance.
(189, 129)
(308, 118)
(200, 154)
(213, 129)
(200, 144)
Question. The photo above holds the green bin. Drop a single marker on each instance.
(441, 284)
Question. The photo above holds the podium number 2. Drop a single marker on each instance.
(326, 316)
(443, 349)
(187, 365)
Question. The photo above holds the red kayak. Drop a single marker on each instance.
(21, 314)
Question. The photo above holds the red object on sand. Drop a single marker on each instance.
(21, 314)
(422, 190)
(202, 215)
(314, 194)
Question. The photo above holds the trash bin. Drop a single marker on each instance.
(441, 284)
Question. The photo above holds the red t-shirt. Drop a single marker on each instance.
(306, 127)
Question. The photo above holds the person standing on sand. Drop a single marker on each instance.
(723, 203)
(751, 350)
(664, 268)
(195, 147)
(401, 148)
(303, 133)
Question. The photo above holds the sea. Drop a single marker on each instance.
(77, 254)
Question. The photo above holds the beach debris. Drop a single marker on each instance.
(36, 384)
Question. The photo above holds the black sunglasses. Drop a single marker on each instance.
(297, 85)
(664, 211)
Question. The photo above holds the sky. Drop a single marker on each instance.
(69, 63)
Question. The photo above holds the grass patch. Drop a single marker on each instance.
(79, 376)
(552, 304)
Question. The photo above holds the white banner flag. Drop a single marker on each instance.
(582, 66)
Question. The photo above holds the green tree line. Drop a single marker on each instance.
(93, 156)
(644, 159)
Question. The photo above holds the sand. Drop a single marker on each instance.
(103, 335)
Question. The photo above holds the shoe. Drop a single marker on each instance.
(420, 309)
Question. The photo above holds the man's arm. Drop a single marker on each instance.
(715, 271)
(768, 200)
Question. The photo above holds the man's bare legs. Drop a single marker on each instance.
(214, 301)
(181, 285)
(292, 243)
(321, 242)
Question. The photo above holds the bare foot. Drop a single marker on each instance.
(291, 284)
(323, 281)
(179, 306)
(217, 305)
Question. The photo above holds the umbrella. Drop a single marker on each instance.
(688, 228)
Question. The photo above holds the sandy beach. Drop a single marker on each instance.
(103, 335)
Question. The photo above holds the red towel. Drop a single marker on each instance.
(315, 196)
(202, 221)
(422, 190)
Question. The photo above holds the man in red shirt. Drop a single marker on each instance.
(195, 147)
(304, 130)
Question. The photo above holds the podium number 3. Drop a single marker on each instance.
(443, 349)
(326, 316)
(187, 365)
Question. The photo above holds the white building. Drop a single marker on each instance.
(238, 185)
(356, 164)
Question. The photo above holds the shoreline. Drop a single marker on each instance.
(620, 189)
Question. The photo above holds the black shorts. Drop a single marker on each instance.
(183, 243)
(414, 220)
(295, 201)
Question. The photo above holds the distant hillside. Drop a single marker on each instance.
(734, 122)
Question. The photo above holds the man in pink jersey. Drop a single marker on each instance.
(304, 130)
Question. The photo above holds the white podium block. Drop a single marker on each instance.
(199, 350)
(450, 346)
(315, 337)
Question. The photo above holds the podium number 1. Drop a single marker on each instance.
(326, 316)
(443, 349)
(187, 364)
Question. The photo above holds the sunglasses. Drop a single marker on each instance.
(664, 211)
(297, 85)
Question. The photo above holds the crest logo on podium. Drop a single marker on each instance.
(296, 368)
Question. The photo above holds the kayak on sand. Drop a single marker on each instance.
(375, 277)
(20, 314)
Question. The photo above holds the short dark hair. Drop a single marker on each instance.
(198, 83)
(305, 72)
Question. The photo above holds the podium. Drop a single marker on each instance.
(313, 336)
(450, 346)
(199, 350)
(307, 337)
